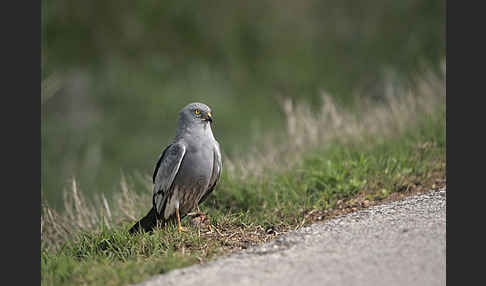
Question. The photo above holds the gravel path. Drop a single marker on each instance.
(398, 243)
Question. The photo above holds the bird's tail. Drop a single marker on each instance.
(147, 223)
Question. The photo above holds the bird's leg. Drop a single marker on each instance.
(179, 226)
(197, 213)
(198, 210)
(200, 217)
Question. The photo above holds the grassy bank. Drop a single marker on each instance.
(329, 161)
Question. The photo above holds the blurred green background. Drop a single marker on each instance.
(115, 73)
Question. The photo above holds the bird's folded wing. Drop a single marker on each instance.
(217, 165)
(216, 173)
(165, 171)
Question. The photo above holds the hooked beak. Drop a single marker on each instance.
(208, 117)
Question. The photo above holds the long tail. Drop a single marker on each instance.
(147, 223)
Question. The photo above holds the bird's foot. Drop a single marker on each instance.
(195, 214)
(181, 228)
(199, 219)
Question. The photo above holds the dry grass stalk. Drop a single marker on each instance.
(307, 130)
(81, 215)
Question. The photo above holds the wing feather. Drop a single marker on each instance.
(165, 172)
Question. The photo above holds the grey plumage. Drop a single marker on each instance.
(187, 170)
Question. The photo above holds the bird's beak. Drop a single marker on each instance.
(208, 117)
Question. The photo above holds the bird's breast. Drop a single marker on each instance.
(196, 167)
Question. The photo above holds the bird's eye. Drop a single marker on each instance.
(197, 111)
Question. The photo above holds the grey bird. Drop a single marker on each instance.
(187, 170)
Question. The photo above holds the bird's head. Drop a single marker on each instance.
(194, 113)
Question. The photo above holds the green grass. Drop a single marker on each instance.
(250, 210)
(111, 257)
